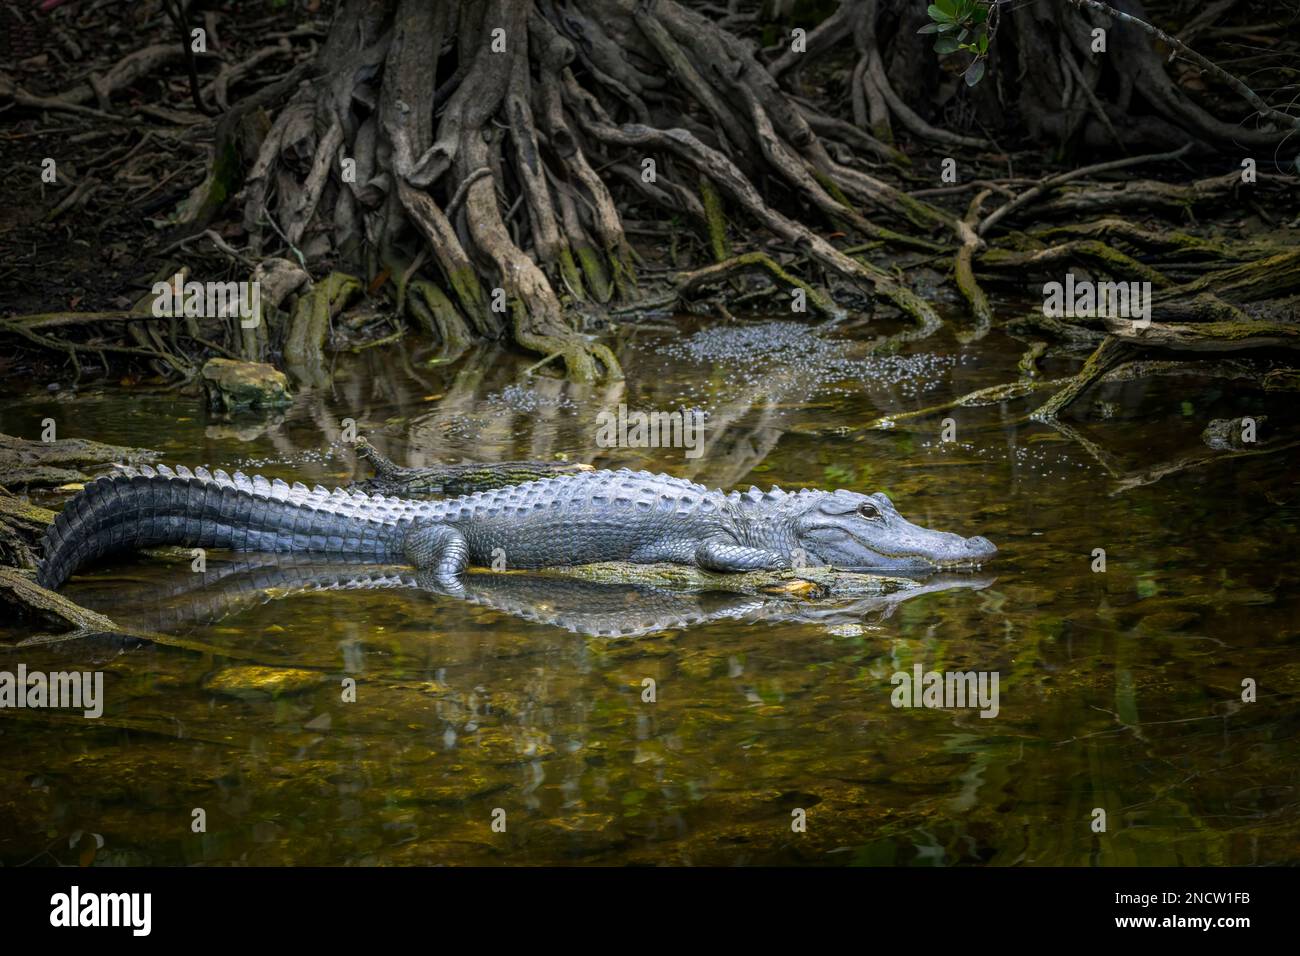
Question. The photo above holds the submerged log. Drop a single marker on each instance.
(18, 590)
(24, 462)
(804, 583)
(21, 526)
(1207, 336)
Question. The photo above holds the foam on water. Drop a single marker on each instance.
(801, 363)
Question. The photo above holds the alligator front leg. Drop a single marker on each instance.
(439, 549)
(723, 554)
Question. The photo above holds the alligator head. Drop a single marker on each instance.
(866, 532)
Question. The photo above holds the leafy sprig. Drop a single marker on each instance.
(964, 26)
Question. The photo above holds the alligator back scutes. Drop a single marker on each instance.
(319, 497)
(586, 492)
(150, 506)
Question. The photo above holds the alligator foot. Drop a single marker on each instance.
(439, 549)
(722, 554)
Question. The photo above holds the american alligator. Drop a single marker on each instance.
(570, 520)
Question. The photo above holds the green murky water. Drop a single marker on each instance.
(1119, 690)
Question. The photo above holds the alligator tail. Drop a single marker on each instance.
(150, 507)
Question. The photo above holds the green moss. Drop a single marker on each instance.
(592, 267)
(624, 274)
(717, 220)
(438, 314)
(571, 273)
(304, 348)
(464, 282)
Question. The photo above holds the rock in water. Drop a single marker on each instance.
(232, 385)
(254, 682)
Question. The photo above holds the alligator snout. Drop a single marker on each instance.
(962, 552)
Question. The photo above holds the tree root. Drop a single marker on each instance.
(1253, 98)
(1121, 371)
(1050, 183)
(1207, 336)
(689, 283)
(1170, 242)
(21, 527)
(1167, 198)
(304, 349)
(992, 395)
(526, 210)
(1110, 260)
(730, 179)
(969, 287)
(1108, 354)
(475, 177)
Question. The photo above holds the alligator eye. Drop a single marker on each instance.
(867, 510)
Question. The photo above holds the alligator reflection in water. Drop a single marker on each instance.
(181, 598)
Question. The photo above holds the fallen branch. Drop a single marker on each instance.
(1108, 354)
(690, 282)
(804, 583)
(1207, 336)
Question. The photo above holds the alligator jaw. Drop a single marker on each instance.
(981, 551)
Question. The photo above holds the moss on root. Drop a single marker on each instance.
(716, 219)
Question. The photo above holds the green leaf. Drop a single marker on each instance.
(974, 72)
(945, 45)
(979, 16)
(946, 27)
(947, 6)
(938, 15)
(963, 35)
(929, 28)
(984, 43)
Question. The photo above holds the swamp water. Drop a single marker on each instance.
(1119, 690)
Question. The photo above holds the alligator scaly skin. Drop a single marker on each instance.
(552, 522)
(573, 519)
